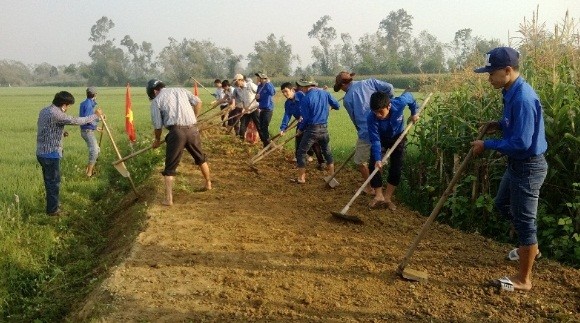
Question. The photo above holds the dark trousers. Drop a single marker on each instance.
(395, 163)
(263, 131)
(178, 138)
(51, 177)
(254, 116)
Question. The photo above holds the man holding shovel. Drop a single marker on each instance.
(176, 109)
(524, 142)
(87, 107)
(264, 96)
(385, 125)
(356, 102)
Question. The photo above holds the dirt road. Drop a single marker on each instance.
(259, 248)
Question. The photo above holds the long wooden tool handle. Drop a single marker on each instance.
(138, 152)
(341, 166)
(292, 125)
(111, 137)
(118, 154)
(387, 155)
(439, 205)
(267, 152)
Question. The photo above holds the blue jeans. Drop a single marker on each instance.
(518, 194)
(92, 144)
(51, 176)
(314, 134)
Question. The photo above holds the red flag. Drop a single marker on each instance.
(129, 128)
(195, 88)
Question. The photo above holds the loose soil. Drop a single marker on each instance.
(260, 248)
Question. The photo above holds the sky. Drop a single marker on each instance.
(58, 31)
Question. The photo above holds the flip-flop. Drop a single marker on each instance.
(297, 181)
(377, 205)
(514, 256)
(503, 284)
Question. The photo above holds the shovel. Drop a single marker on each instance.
(138, 152)
(120, 167)
(330, 180)
(353, 218)
(416, 275)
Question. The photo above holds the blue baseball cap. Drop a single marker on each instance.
(498, 58)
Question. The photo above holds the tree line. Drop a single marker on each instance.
(391, 49)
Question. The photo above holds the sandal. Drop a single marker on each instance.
(297, 181)
(377, 205)
(504, 284)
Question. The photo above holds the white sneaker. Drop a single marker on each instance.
(310, 159)
(294, 159)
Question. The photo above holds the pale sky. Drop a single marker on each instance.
(57, 31)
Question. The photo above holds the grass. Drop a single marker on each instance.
(48, 264)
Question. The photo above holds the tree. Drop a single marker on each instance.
(272, 56)
(108, 61)
(462, 46)
(428, 54)
(181, 61)
(397, 28)
(372, 56)
(14, 73)
(348, 57)
(325, 60)
(141, 66)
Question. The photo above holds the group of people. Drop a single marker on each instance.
(246, 103)
(376, 114)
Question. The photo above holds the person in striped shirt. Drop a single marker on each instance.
(176, 109)
(51, 122)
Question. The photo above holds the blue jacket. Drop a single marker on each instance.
(266, 91)
(86, 109)
(381, 131)
(291, 109)
(357, 102)
(314, 107)
(522, 124)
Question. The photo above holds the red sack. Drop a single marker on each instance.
(251, 134)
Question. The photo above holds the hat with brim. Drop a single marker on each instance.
(342, 78)
(309, 81)
(91, 90)
(261, 75)
(498, 58)
(238, 77)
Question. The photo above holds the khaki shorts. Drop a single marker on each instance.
(363, 152)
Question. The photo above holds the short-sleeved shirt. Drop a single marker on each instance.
(173, 107)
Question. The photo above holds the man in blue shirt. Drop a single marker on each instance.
(87, 108)
(523, 141)
(386, 123)
(314, 111)
(356, 103)
(292, 109)
(51, 122)
(264, 96)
